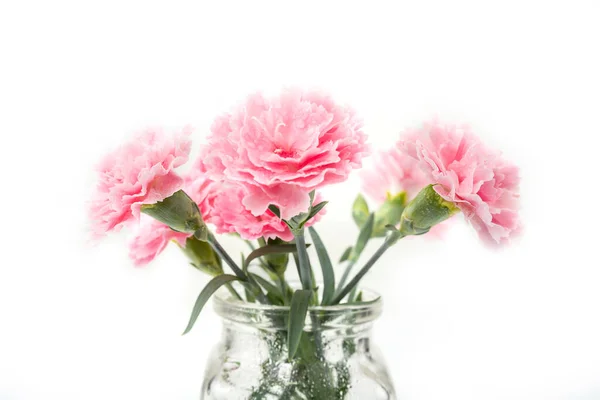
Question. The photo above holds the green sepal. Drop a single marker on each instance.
(180, 213)
(202, 256)
(426, 210)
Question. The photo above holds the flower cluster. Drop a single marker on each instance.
(267, 152)
(258, 176)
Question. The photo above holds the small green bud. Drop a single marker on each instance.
(389, 213)
(202, 256)
(277, 261)
(360, 211)
(180, 213)
(424, 211)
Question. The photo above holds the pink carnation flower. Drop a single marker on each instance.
(140, 171)
(150, 239)
(392, 172)
(228, 215)
(221, 204)
(478, 180)
(282, 148)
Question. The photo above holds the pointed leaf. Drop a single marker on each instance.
(298, 310)
(315, 210)
(326, 267)
(268, 286)
(210, 288)
(269, 249)
(363, 237)
(312, 196)
(346, 254)
(275, 210)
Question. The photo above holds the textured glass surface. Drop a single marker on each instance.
(336, 359)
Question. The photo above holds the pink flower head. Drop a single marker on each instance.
(284, 147)
(392, 172)
(478, 180)
(140, 171)
(150, 240)
(152, 236)
(228, 214)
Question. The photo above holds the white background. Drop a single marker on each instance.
(460, 322)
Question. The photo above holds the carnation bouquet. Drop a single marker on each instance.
(258, 176)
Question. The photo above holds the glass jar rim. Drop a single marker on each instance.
(268, 316)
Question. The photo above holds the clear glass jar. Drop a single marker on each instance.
(336, 359)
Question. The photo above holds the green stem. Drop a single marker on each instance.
(306, 277)
(389, 241)
(286, 291)
(347, 272)
(212, 240)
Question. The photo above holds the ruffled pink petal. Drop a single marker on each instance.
(139, 172)
(482, 184)
(150, 239)
(284, 147)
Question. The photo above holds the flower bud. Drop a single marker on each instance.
(360, 211)
(277, 262)
(180, 213)
(389, 213)
(427, 209)
(202, 256)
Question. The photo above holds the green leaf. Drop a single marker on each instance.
(210, 288)
(269, 249)
(268, 286)
(346, 254)
(275, 210)
(359, 297)
(360, 211)
(315, 210)
(179, 212)
(298, 310)
(251, 288)
(326, 267)
(363, 237)
(312, 196)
